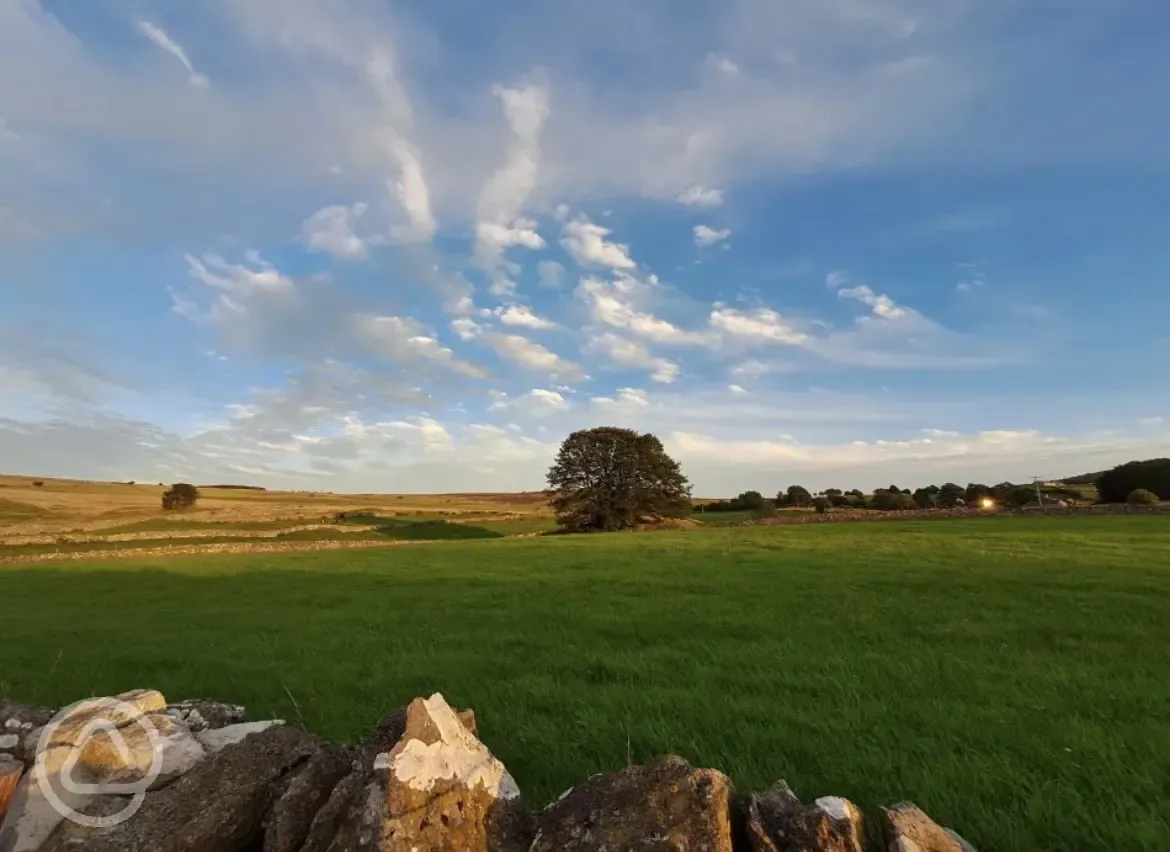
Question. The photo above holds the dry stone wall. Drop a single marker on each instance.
(846, 515)
(134, 773)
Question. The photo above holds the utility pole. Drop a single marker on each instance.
(1039, 495)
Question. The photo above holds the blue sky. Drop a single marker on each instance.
(362, 245)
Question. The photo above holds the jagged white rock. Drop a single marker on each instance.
(457, 755)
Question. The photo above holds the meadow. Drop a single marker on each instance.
(1007, 674)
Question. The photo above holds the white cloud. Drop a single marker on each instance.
(412, 192)
(404, 339)
(723, 65)
(521, 315)
(883, 306)
(532, 356)
(629, 353)
(586, 242)
(757, 326)
(611, 303)
(708, 236)
(465, 329)
(493, 237)
(736, 389)
(753, 369)
(238, 279)
(500, 225)
(538, 402)
(836, 279)
(551, 273)
(330, 230)
(625, 398)
(1151, 421)
(159, 37)
(701, 196)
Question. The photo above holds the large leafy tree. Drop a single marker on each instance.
(607, 479)
(797, 495)
(1115, 485)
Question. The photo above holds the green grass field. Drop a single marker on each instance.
(1010, 675)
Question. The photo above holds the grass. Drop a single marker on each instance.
(12, 511)
(725, 518)
(394, 529)
(1009, 674)
(181, 525)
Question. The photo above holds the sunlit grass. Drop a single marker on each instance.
(1009, 675)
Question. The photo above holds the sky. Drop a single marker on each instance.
(362, 245)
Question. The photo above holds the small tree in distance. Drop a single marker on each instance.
(181, 495)
(607, 479)
(751, 500)
(798, 495)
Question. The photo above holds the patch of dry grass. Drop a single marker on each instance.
(60, 506)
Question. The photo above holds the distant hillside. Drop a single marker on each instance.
(1083, 479)
(237, 487)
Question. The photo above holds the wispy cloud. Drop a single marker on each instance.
(701, 196)
(158, 36)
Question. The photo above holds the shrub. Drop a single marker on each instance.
(181, 495)
(821, 504)
(903, 502)
(1142, 497)
(761, 513)
(39, 484)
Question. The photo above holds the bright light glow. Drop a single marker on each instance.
(987, 503)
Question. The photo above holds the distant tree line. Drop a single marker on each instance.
(1138, 482)
(892, 498)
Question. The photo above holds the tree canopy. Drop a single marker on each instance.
(1114, 486)
(796, 495)
(608, 479)
(181, 495)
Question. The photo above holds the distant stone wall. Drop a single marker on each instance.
(846, 515)
(195, 777)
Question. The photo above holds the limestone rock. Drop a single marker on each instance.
(99, 741)
(202, 713)
(302, 798)
(76, 725)
(9, 743)
(664, 806)
(778, 822)
(32, 816)
(216, 807)
(126, 755)
(20, 718)
(341, 803)
(467, 718)
(909, 829)
(438, 789)
(217, 739)
(346, 795)
(11, 771)
(71, 836)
